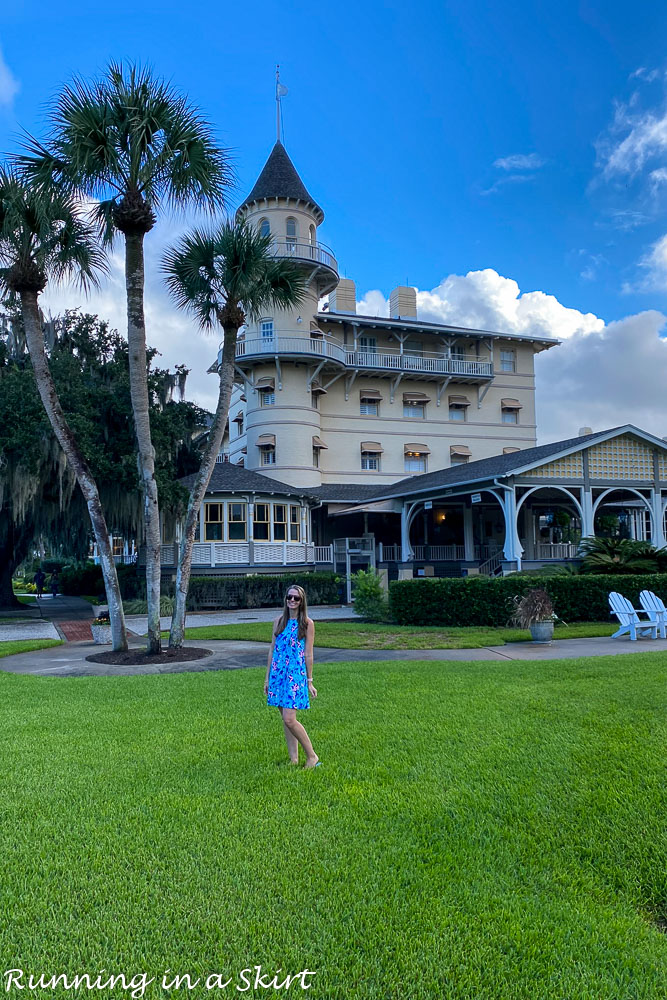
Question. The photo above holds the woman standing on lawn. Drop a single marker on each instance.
(289, 671)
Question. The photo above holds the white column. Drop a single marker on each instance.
(512, 549)
(656, 510)
(587, 523)
(468, 537)
(406, 552)
(250, 521)
(305, 538)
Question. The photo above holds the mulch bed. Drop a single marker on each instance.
(136, 657)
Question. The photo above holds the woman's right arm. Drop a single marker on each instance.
(270, 656)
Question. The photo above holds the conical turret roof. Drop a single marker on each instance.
(279, 179)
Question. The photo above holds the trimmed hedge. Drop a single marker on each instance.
(478, 601)
(258, 591)
(86, 578)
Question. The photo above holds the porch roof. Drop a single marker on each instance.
(503, 466)
(230, 478)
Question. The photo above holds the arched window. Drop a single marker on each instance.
(264, 227)
(311, 232)
(290, 231)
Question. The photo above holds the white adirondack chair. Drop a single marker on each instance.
(629, 618)
(655, 607)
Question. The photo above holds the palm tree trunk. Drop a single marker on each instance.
(47, 391)
(226, 377)
(136, 338)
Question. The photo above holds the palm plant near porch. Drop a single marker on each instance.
(134, 144)
(220, 277)
(43, 238)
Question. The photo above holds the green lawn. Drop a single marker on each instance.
(26, 599)
(26, 645)
(356, 635)
(479, 831)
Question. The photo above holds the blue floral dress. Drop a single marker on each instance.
(288, 681)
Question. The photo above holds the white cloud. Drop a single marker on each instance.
(642, 73)
(9, 85)
(654, 264)
(509, 179)
(599, 376)
(635, 137)
(520, 161)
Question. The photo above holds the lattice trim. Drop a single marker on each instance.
(621, 458)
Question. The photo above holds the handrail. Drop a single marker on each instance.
(491, 566)
(387, 359)
(318, 253)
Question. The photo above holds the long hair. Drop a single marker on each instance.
(302, 615)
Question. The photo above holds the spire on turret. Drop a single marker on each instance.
(279, 179)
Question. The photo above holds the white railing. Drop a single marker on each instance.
(389, 553)
(492, 565)
(412, 362)
(222, 456)
(295, 344)
(438, 553)
(238, 553)
(556, 550)
(324, 553)
(317, 253)
(388, 359)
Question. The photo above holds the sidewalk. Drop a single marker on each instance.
(70, 660)
(70, 613)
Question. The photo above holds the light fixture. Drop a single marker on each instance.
(299, 320)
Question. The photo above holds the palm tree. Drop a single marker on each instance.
(618, 555)
(42, 238)
(221, 277)
(134, 144)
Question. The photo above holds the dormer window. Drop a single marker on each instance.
(290, 232)
(264, 228)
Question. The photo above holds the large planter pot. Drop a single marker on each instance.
(542, 631)
(101, 634)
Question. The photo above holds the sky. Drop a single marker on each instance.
(508, 160)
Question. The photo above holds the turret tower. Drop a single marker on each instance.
(282, 355)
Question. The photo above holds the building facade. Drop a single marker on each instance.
(390, 442)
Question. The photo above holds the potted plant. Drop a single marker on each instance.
(101, 629)
(535, 612)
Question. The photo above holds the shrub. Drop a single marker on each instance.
(370, 600)
(136, 607)
(86, 578)
(477, 601)
(258, 591)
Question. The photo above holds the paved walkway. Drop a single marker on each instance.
(70, 660)
(52, 618)
(239, 616)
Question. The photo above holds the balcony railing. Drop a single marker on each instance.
(388, 359)
(316, 253)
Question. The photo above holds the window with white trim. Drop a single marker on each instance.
(416, 411)
(507, 361)
(264, 228)
(414, 461)
(370, 461)
(290, 233)
(294, 523)
(368, 345)
(369, 408)
(509, 416)
(266, 329)
(457, 412)
(316, 457)
(459, 459)
(268, 456)
(267, 397)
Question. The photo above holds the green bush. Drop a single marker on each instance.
(370, 600)
(477, 601)
(86, 578)
(137, 607)
(258, 591)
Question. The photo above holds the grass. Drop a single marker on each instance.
(358, 635)
(26, 598)
(479, 831)
(26, 645)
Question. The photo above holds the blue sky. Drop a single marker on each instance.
(524, 138)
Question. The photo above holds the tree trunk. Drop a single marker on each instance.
(136, 338)
(226, 376)
(13, 551)
(79, 465)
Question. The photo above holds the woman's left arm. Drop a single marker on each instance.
(310, 639)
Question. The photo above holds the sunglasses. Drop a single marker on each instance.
(293, 597)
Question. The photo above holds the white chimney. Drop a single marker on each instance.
(343, 299)
(585, 430)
